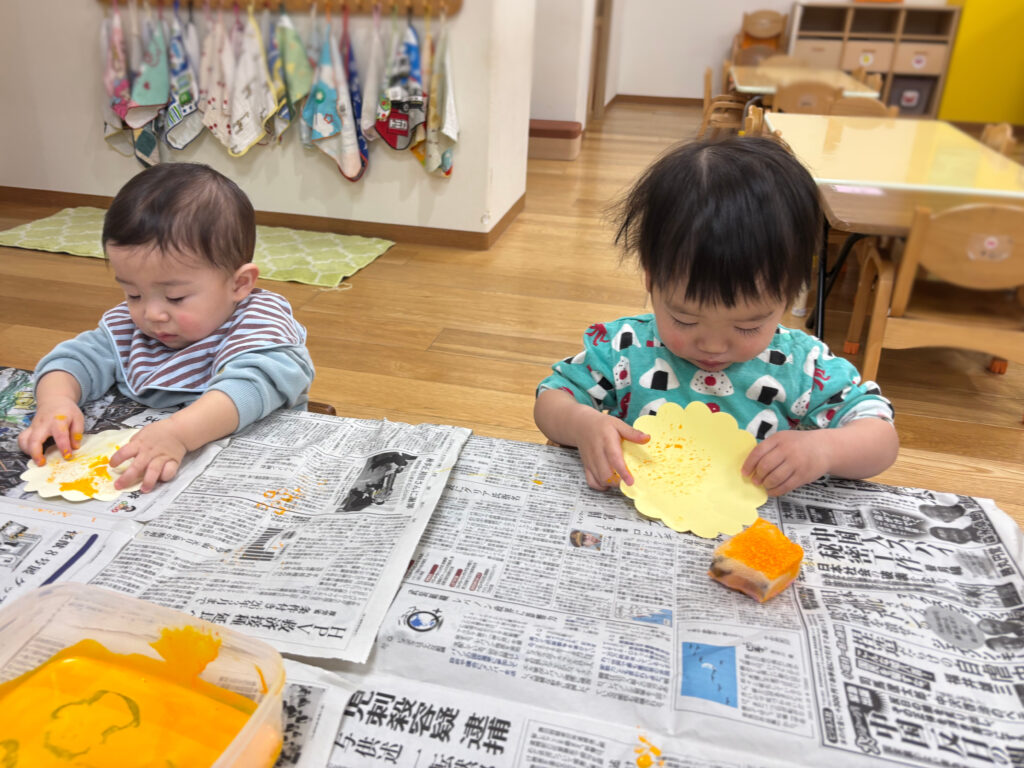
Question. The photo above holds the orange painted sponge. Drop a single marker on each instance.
(759, 562)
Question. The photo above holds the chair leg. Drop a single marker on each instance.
(879, 315)
(998, 365)
(705, 119)
(868, 271)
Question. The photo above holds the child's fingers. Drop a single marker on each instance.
(755, 457)
(634, 435)
(125, 452)
(153, 474)
(62, 435)
(31, 442)
(77, 429)
(595, 481)
(778, 481)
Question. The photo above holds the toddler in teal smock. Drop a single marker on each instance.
(725, 233)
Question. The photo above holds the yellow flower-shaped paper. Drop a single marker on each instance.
(688, 474)
(87, 474)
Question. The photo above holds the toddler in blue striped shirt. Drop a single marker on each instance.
(193, 331)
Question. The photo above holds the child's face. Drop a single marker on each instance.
(713, 336)
(177, 299)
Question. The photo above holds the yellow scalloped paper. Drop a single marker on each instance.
(87, 474)
(688, 474)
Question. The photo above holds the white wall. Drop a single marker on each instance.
(666, 44)
(52, 132)
(563, 40)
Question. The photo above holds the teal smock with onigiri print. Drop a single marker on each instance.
(795, 383)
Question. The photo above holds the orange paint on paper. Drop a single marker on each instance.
(89, 706)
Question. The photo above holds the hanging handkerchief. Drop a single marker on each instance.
(252, 98)
(298, 75)
(115, 74)
(115, 83)
(321, 110)
(439, 153)
(208, 64)
(374, 78)
(191, 37)
(150, 90)
(146, 141)
(313, 50)
(355, 99)
(426, 58)
(218, 78)
(402, 107)
(184, 121)
(275, 66)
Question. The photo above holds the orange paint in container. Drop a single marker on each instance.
(89, 706)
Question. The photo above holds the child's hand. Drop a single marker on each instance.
(58, 417)
(157, 451)
(787, 460)
(600, 446)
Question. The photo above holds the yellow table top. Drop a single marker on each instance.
(897, 153)
(764, 80)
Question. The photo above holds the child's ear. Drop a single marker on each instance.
(245, 280)
(647, 280)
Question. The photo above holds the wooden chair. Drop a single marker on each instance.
(325, 408)
(806, 97)
(751, 57)
(977, 254)
(999, 136)
(858, 106)
(723, 112)
(753, 123)
(763, 28)
(782, 60)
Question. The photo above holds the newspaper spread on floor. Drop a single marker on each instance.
(112, 411)
(532, 597)
(47, 540)
(298, 532)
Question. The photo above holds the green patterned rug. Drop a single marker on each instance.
(315, 258)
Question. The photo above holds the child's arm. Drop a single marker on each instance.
(247, 388)
(597, 435)
(788, 459)
(57, 415)
(158, 448)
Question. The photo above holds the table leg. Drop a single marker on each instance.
(827, 279)
(819, 300)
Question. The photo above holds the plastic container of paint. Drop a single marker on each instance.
(91, 675)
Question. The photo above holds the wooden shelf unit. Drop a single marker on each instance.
(910, 46)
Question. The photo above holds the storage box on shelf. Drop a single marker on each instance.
(908, 45)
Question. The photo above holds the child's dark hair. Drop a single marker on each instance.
(737, 219)
(186, 208)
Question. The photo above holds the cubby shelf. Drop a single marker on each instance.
(909, 46)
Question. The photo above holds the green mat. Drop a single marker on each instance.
(315, 258)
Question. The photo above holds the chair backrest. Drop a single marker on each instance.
(974, 246)
(806, 96)
(782, 60)
(858, 106)
(999, 136)
(760, 26)
(707, 87)
(749, 57)
(753, 123)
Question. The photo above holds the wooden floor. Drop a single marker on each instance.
(462, 337)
